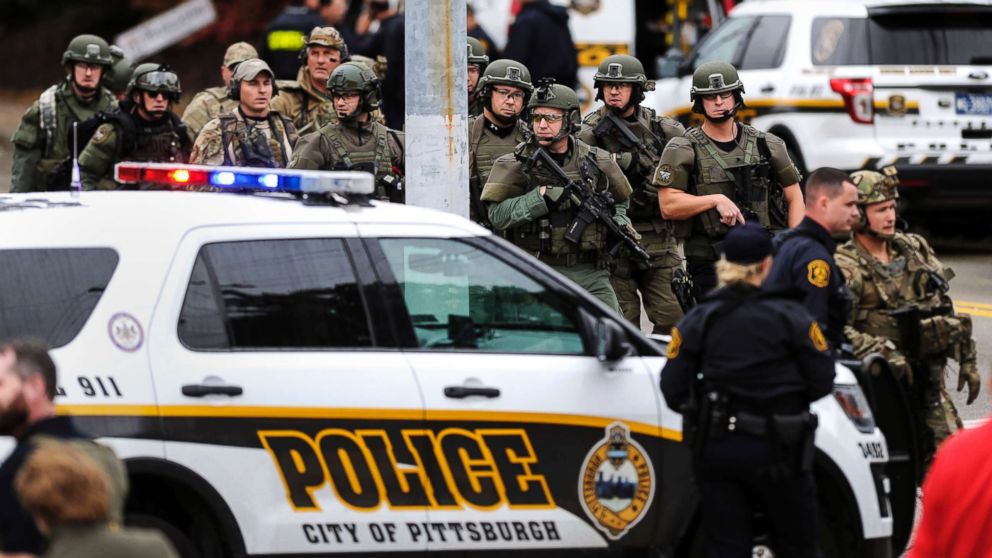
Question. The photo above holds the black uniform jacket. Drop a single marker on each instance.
(754, 345)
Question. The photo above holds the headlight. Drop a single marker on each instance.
(852, 400)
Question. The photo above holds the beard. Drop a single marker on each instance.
(14, 418)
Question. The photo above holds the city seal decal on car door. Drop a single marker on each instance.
(616, 485)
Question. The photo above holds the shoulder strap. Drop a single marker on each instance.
(228, 131)
(333, 135)
(381, 150)
(46, 104)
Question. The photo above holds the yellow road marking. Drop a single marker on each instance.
(984, 305)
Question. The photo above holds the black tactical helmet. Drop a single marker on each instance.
(154, 77)
(352, 76)
(477, 53)
(90, 49)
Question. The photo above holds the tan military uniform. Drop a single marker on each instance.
(654, 279)
(517, 207)
(369, 146)
(107, 541)
(43, 142)
(205, 106)
(485, 146)
(878, 288)
(233, 140)
(113, 142)
(303, 103)
(695, 164)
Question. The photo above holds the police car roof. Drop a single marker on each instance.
(59, 218)
(849, 8)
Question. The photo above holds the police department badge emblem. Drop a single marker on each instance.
(818, 273)
(897, 104)
(617, 482)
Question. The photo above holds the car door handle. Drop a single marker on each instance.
(768, 88)
(200, 390)
(461, 392)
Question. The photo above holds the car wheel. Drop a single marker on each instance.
(184, 547)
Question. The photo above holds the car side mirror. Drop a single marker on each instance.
(611, 341)
(670, 65)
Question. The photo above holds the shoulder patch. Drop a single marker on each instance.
(676, 343)
(101, 135)
(665, 175)
(818, 273)
(817, 337)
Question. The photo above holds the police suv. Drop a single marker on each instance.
(302, 371)
(858, 84)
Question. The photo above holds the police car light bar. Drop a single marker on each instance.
(244, 179)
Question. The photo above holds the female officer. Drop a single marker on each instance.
(743, 367)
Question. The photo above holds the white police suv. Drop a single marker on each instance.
(304, 372)
(858, 84)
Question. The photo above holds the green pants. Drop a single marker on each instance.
(942, 417)
(594, 280)
(655, 285)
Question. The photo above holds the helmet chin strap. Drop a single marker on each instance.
(503, 120)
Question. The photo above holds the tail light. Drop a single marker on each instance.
(858, 98)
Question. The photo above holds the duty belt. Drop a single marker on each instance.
(570, 259)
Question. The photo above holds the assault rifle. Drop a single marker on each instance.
(611, 125)
(745, 190)
(593, 207)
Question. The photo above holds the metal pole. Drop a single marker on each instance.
(437, 106)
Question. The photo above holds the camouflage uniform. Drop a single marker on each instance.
(913, 279)
(517, 207)
(299, 100)
(124, 136)
(653, 279)
(41, 144)
(214, 101)
(487, 140)
(352, 143)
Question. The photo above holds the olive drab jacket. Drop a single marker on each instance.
(368, 146)
(695, 164)
(911, 279)
(126, 137)
(304, 104)
(516, 205)
(486, 143)
(107, 541)
(235, 140)
(205, 106)
(656, 233)
(43, 140)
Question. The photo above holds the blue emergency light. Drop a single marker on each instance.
(245, 179)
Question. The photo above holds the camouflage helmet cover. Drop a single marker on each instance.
(90, 49)
(477, 52)
(622, 68)
(876, 187)
(352, 76)
(506, 72)
(239, 52)
(715, 77)
(328, 37)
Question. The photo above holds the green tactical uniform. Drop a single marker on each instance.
(354, 142)
(303, 103)
(107, 541)
(694, 163)
(653, 280)
(516, 206)
(234, 140)
(206, 106)
(40, 147)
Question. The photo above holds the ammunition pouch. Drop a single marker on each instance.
(570, 259)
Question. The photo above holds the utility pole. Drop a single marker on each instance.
(437, 106)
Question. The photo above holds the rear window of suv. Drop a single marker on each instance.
(917, 38)
(50, 293)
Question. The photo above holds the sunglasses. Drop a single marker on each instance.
(549, 118)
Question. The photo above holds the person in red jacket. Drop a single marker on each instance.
(957, 501)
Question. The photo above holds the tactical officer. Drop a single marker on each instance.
(43, 141)
(504, 89)
(214, 101)
(638, 135)
(723, 173)
(142, 128)
(355, 141)
(252, 135)
(477, 62)
(527, 199)
(306, 100)
(119, 75)
(804, 262)
(743, 367)
(894, 277)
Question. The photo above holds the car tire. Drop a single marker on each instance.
(183, 545)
